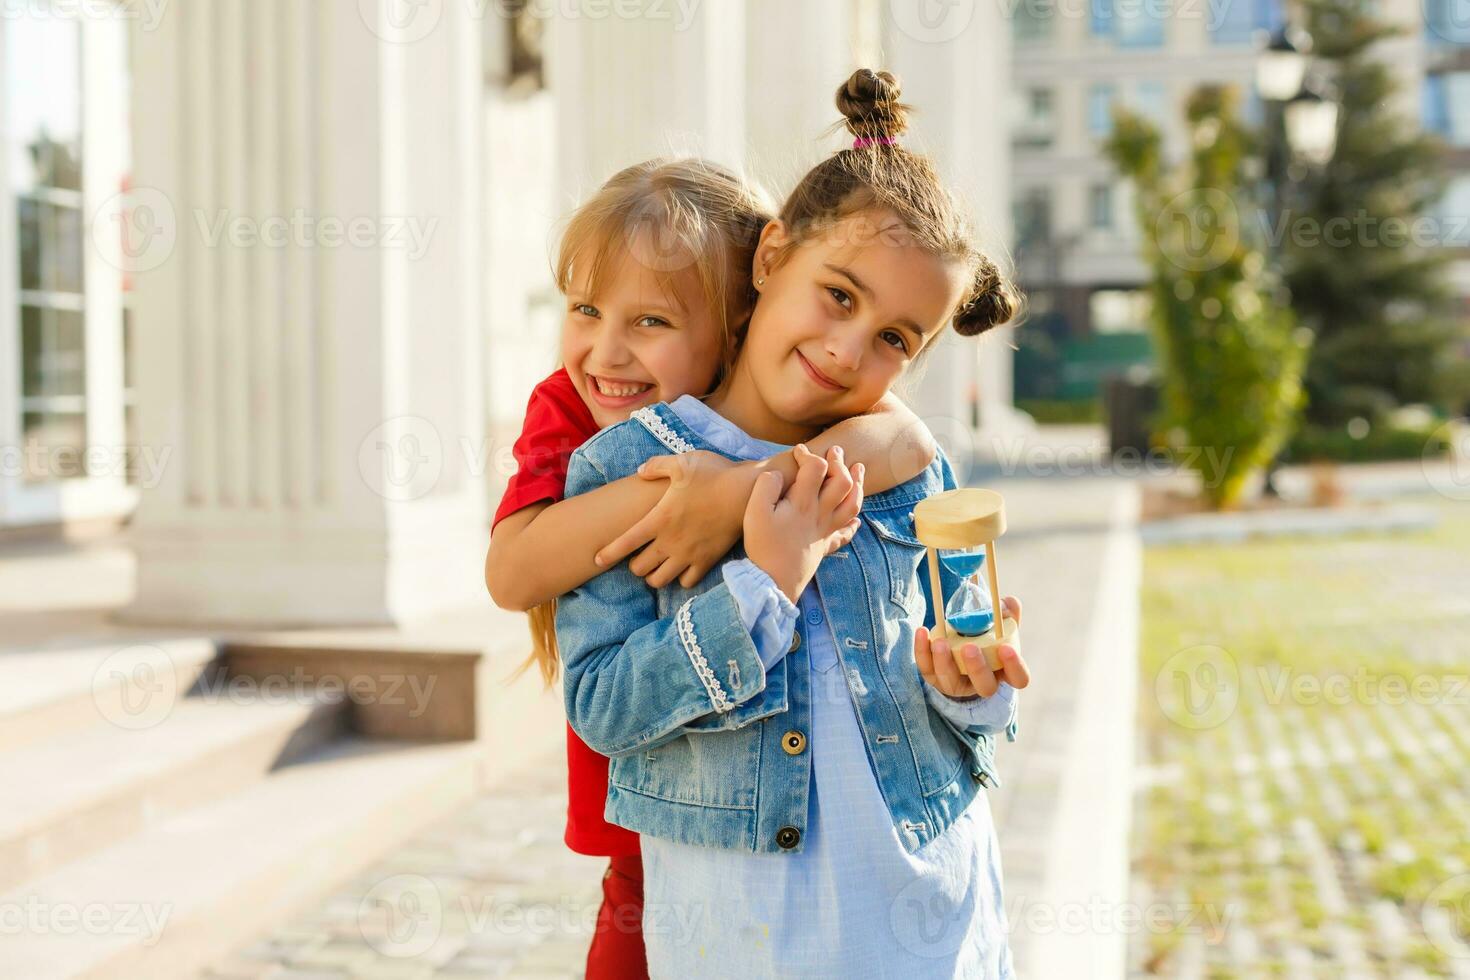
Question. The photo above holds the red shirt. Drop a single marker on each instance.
(557, 422)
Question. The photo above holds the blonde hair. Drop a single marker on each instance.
(877, 174)
(671, 216)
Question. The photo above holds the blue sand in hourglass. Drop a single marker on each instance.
(963, 563)
(969, 611)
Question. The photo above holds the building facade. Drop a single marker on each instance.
(275, 282)
(1077, 238)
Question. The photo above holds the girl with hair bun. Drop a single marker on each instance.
(804, 770)
(655, 268)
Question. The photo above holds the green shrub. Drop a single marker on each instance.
(1382, 442)
(1051, 411)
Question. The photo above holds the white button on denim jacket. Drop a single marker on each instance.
(670, 684)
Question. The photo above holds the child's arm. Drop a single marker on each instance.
(706, 494)
(635, 681)
(689, 522)
(891, 443)
(546, 549)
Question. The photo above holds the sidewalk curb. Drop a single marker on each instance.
(1071, 927)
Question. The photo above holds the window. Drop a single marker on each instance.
(1452, 212)
(1140, 24)
(1446, 22)
(1446, 106)
(1119, 310)
(1032, 22)
(1032, 217)
(1100, 206)
(1252, 109)
(1100, 110)
(1130, 23)
(1236, 21)
(66, 404)
(1151, 101)
(44, 130)
(1033, 120)
(514, 43)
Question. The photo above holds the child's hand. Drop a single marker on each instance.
(788, 535)
(695, 523)
(939, 670)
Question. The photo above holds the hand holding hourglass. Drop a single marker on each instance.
(971, 650)
(939, 665)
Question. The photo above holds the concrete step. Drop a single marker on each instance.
(84, 789)
(170, 900)
(49, 691)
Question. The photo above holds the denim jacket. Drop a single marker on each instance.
(669, 683)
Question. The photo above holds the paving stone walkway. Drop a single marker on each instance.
(1305, 800)
(492, 891)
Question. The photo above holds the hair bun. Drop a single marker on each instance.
(868, 100)
(993, 301)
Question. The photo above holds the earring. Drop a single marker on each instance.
(761, 281)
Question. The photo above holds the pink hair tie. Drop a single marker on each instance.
(862, 142)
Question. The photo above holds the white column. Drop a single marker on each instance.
(796, 54)
(954, 62)
(104, 155)
(308, 310)
(669, 81)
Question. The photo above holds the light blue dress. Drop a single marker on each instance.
(853, 903)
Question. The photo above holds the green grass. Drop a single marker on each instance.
(1251, 649)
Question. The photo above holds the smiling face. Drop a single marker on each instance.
(837, 322)
(643, 338)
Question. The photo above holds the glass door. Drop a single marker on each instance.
(63, 395)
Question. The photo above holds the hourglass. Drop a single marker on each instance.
(959, 528)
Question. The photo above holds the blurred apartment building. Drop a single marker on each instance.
(1077, 242)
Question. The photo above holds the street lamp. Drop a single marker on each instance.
(1301, 123)
(1282, 64)
(1311, 125)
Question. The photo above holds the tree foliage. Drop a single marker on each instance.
(1230, 351)
(1378, 302)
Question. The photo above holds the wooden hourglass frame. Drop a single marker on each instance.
(965, 519)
